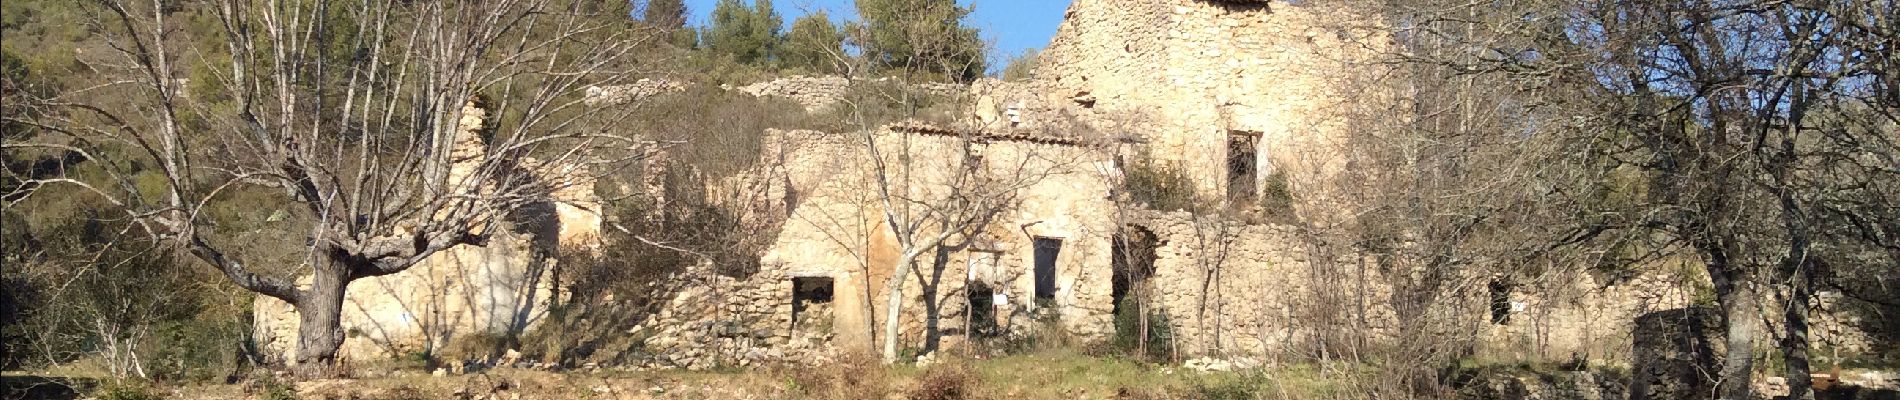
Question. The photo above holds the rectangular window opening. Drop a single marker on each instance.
(811, 297)
(1243, 167)
(1047, 250)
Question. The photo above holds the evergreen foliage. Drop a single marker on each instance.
(664, 14)
(814, 44)
(669, 16)
(920, 37)
(748, 35)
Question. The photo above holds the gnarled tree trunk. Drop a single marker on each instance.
(320, 321)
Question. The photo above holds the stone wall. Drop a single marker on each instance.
(818, 93)
(1579, 315)
(835, 228)
(467, 290)
(813, 92)
(630, 93)
(1237, 288)
(1188, 74)
(822, 185)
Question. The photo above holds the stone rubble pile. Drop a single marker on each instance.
(1210, 364)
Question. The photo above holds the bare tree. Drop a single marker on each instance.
(401, 128)
(936, 189)
(1668, 129)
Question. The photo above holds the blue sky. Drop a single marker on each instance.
(1012, 25)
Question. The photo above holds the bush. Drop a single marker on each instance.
(1276, 199)
(1128, 338)
(1219, 387)
(1160, 187)
(954, 380)
(854, 375)
(127, 391)
(202, 349)
(267, 387)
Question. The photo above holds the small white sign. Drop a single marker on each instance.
(999, 299)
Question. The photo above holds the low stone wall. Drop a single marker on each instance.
(813, 92)
(720, 321)
(631, 93)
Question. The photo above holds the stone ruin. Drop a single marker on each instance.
(496, 289)
(815, 93)
(1227, 91)
(635, 92)
(820, 93)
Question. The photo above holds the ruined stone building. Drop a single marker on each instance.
(467, 290)
(1228, 92)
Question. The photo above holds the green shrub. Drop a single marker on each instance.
(1159, 186)
(1276, 199)
(202, 349)
(1228, 387)
(1128, 338)
(128, 390)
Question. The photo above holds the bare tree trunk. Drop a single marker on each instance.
(1797, 272)
(1740, 360)
(1141, 309)
(1738, 314)
(1794, 347)
(894, 304)
(320, 322)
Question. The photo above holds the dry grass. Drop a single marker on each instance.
(1046, 374)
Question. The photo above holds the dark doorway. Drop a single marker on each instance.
(1047, 250)
(1133, 260)
(811, 302)
(1500, 302)
(982, 301)
(1243, 166)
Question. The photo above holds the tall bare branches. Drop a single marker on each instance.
(402, 129)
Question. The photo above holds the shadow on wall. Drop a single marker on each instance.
(662, 251)
(470, 302)
(1880, 320)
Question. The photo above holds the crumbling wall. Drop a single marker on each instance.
(1195, 72)
(1577, 315)
(1229, 287)
(631, 93)
(813, 92)
(819, 93)
(835, 229)
(499, 288)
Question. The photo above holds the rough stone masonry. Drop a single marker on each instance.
(1201, 85)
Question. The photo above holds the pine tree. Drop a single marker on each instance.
(920, 36)
(814, 44)
(665, 14)
(670, 17)
(746, 34)
(767, 27)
